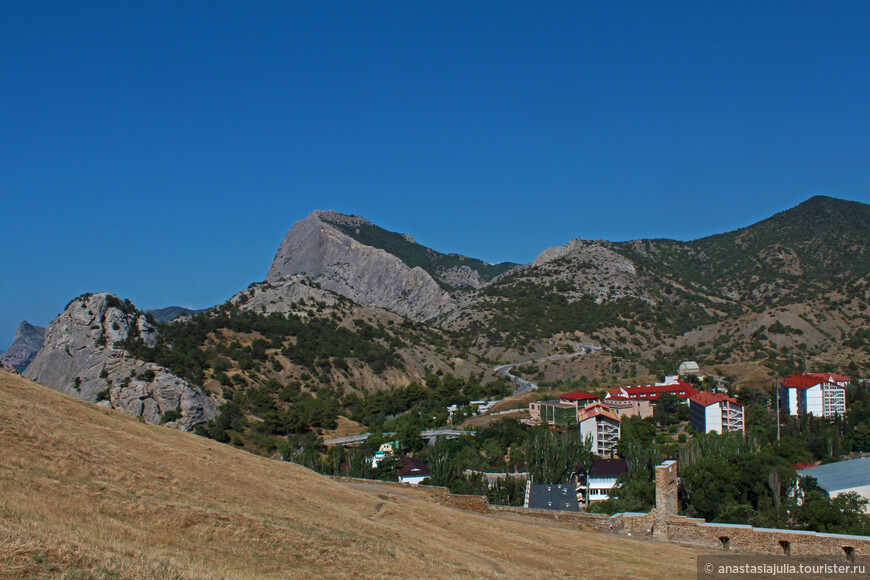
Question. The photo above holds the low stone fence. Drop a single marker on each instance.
(491, 477)
(634, 523)
(596, 522)
(441, 495)
(748, 539)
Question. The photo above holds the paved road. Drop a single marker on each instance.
(526, 386)
(428, 434)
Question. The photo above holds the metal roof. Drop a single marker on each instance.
(553, 497)
(848, 474)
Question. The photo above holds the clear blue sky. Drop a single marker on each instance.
(162, 150)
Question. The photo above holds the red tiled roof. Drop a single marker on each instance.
(832, 377)
(594, 410)
(706, 399)
(800, 381)
(652, 392)
(616, 398)
(577, 396)
(808, 380)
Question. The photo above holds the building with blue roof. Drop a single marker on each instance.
(842, 477)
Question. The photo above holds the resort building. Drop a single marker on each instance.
(818, 394)
(564, 411)
(716, 412)
(672, 385)
(626, 407)
(602, 425)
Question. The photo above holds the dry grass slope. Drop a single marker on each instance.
(90, 493)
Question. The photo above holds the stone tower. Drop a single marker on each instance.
(666, 497)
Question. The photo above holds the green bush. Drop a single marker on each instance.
(171, 415)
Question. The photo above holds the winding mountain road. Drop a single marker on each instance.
(526, 386)
(504, 370)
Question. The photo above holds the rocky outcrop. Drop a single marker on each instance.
(593, 269)
(295, 294)
(81, 357)
(27, 342)
(9, 369)
(462, 277)
(364, 274)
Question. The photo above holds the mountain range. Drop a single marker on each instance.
(362, 309)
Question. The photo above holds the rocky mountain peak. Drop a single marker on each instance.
(318, 248)
(340, 219)
(82, 356)
(26, 343)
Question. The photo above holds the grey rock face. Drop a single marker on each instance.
(594, 269)
(462, 277)
(79, 358)
(364, 274)
(291, 295)
(27, 342)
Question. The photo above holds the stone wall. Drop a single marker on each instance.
(670, 527)
(634, 523)
(471, 503)
(597, 522)
(747, 539)
(441, 495)
(665, 525)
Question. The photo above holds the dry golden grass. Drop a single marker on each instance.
(90, 493)
(343, 428)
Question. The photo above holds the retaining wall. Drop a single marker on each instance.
(597, 522)
(441, 495)
(741, 538)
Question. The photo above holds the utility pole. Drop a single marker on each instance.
(776, 394)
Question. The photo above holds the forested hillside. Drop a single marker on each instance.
(791, 289)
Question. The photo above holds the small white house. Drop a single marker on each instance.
(601, 479)
(689, 367)
(412, 470)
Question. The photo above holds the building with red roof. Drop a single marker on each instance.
(716, 412)
(563, 411)
(674, 386)
(578, 397)
(602, 425)
(626, 407)
(818, 394)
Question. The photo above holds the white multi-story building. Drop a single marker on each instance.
(600, 423)
(818, 394)
(716, 412)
